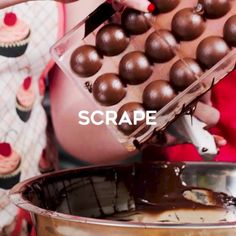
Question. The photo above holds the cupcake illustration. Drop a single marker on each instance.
(10, 163)
(14, 36)
(25, 99)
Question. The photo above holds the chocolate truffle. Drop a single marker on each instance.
(187, 24)
(134, 22)
(86, 61)
(157, 94)
(164, 6)
(215, 8)
(211, 50)
(108, 90)
(160, 46)
(126, 128)
(181, 75)
(135, 68)
(230, 31)
(111, 40)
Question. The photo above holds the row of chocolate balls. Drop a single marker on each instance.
(111, 40)
(187, 24)
(135, 68)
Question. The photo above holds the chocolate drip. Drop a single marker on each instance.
(159, 187)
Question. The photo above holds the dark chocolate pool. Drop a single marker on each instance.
(127, 193)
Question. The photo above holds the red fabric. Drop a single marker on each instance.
(224, 99)
(22, 215)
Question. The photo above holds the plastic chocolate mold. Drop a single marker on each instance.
(135, 49)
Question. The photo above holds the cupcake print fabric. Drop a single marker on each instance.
(14, 35)
(27, 31)
(25, 99)
(10, 162)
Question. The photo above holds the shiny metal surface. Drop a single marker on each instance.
(58, 200)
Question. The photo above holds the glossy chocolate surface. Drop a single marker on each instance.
(125, 128)
(111, 40)
(86, 61)
(160, 45)
(211, 50)
(183, 74)
(135, 68)
(188, 24)
(134, 22)
(230, 31)
(164, 6)
(108, 90)
(157, 94)
(159, 187)
(151, 188)
(215, 8)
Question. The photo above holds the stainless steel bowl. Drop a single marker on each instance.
(69, 202)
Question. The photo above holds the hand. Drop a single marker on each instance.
(141, 5)
(205, 113)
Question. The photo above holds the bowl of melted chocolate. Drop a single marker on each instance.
(158, 198)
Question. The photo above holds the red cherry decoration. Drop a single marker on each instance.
(5, 149)
(10, 19)
(27, 82)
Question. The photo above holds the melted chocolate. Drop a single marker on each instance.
(215, 8)
(86, 61)
(108, 89)
(160, 46)
(157, 94)
(159, 187)
(134, 22)
(150, 188)
(230, 31)
(135, 68)
(164, 6)
(111, 40)
(188, 24)
(211, 50)
(182, 75)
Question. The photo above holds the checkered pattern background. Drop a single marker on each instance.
(27, 139)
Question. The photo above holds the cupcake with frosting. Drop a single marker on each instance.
(10, 163)
(14, 36)
(25, 99)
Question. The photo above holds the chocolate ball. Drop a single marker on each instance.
(126, 128)
(160, 46)
(157, 94)
(230, 31)
(108, 90)
(181, 75)
(215, 8)
(111, 40)
(164, 6)
(134, 22)
(135, 68)
(187, 24)
(86, 61)
(211, 50)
